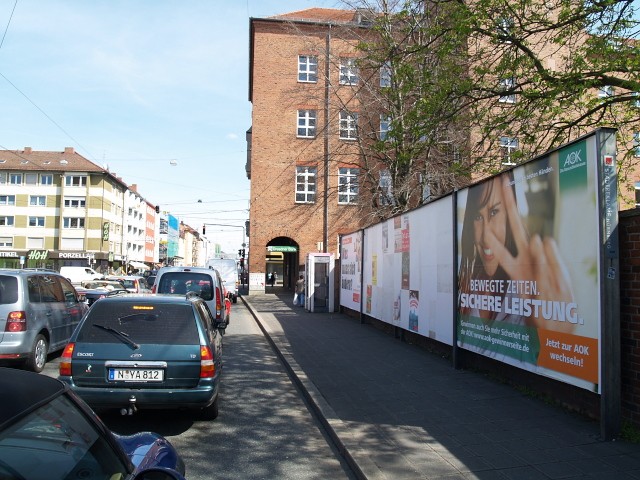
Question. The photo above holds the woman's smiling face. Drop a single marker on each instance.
(490, 223)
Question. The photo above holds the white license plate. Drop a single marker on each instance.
(135, 375)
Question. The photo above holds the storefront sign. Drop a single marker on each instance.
(38, 254)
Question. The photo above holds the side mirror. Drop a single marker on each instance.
(221, 327)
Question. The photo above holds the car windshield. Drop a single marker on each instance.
(143, 322)
(183, 282)
(57, 441)
(8, 289)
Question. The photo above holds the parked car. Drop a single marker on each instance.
(133, 283)
(38, 312)
(77, 275)
(92, 291)
(48, 433)
(146, 351)
(228, 269)
(205, 282)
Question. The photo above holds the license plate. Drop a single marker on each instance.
(135, 375)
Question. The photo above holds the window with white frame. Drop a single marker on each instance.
(605, 91)
(507, 85)
(36, 221)
(15, 178)
(504, 29)
(348, 125)
(386, 188)
(35, 242)
(75, 202)
(3, 178)
(6, 221)
(348, 71)
(73, 222)
(306, 184)
(37, 200)
(75, 180)
(385, 75)
(307, 68)
(348, 185)
(385, 126)
(6, 241)
(46, 179)
(307, 123)
(7, 199)
(71, 243)
(636, 144)
(508, 146)
(31, 178)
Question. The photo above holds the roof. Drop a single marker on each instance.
(22, 391)
(28, 159)
(325, 15)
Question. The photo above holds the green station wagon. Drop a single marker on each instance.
(146, 351)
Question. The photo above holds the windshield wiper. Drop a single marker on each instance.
(123, 336)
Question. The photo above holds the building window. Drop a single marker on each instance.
(504, 29)
(31, 178)
(307, 68)
(7, 199)
(35, 242)
(46, 179)
(75, 181)
(385, 126)
(507, 85)
(73, 222)
(605, 91)
(385, 75)
(75, 202)
(386, 188)
(36, 221)
(348, 185)
(636, 144)
(508, 146)
(348, 71)
(306, 184)
(37, 200)
(3, 178)
(348, 125)
(6, 221)
(15, 178)
(306, 123)
(6, 242)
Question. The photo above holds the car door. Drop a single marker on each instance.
(73, 309)
(53, 308)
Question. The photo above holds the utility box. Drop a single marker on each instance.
(319, 282)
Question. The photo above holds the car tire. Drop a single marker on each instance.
(210, 412)
(38, 356)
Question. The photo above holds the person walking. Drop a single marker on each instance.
(300, 291)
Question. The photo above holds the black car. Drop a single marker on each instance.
(144, 351)
(48, 433)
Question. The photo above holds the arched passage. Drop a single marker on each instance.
(282, 257)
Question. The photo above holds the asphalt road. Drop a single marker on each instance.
(264, 430)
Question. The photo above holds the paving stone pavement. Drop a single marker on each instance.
(397, 411)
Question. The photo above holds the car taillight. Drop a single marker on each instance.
(218, 303)
(16, 322)
(65, 360)
(207, 365)
(153, 289)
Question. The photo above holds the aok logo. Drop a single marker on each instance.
(572, 159)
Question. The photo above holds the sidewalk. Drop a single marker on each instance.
(399, 412)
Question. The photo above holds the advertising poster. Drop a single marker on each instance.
(351, 270)
(528, 266)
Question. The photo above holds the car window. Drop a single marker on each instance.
(142, 322)
(57, 441)
(68, 291)
(50, 289)
(205, 314)
(183, 282)
(8, 289)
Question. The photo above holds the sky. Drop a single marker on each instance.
(156, 91)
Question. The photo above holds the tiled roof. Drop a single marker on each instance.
(28, 159)
(319, 15)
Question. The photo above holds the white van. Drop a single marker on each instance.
(77, 275)
(228, 269)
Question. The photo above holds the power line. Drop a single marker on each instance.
(8, 23)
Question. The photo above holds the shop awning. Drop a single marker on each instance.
(139, 266)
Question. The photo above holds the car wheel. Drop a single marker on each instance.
(38, 356)
(210, 412)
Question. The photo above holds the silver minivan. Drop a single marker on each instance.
(38, 312)
(206, 282)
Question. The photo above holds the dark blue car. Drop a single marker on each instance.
(48, 433)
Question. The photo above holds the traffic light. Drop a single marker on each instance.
(157, 208)
(204, 229)
(240, 253)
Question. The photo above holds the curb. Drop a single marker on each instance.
(358, 460)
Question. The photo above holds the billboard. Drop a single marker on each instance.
(351, 270)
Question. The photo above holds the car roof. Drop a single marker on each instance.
(151, 298)
(25, 271)
(23, 391)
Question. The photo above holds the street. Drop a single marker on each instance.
(264, 429)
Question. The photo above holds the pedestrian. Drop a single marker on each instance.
(300, 292)
(270, 279)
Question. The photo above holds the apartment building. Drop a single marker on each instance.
(58, 208)
(303, 158)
